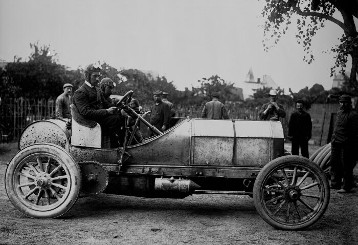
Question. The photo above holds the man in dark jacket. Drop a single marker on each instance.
(171, 106)
(88, 101)
(344, 146)
(214, 109)
(106, 86)
(300, 130)
(160, 112)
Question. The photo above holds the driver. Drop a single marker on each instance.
(88, 101)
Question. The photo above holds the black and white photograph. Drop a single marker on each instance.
(178, 122)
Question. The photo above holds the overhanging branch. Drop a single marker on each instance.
(322, 16)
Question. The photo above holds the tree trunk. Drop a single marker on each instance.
(346, 8)
(353, 76)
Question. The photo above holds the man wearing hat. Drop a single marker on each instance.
(106, 85)
(64, 101)
(160, 112)
(214, 109)
(87, 100)
(272, 110)
(171, 106)
(344, 146)
(300, 130)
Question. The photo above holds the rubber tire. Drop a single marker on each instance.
(276, 164)
(313, 156)
(63, 158)
(322, 158)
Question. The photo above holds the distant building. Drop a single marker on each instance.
(338, 80)
(250, 85)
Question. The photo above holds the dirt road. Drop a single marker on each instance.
(198, 219)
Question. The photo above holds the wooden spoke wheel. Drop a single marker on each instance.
(291, 193)
(43, 181)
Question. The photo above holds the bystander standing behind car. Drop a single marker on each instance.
(344, 146)
(300, 130)
(64, 101)
(272, 110)
(214, 109)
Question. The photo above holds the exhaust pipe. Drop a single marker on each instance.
(175, 185)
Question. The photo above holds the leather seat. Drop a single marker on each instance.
(85, 132)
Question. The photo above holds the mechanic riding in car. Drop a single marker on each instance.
(106, 86)
(88, 101)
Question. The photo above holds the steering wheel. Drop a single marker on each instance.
(126, 98)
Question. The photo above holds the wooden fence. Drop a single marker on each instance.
(16, 114)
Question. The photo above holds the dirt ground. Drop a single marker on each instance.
(198, 219)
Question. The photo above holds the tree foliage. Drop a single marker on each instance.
(42, 77)
(216, 84)
(261, 96)
(39, 77)
(316, 94)
(144, 84)
(310, 16)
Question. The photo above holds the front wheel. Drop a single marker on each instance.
(43, 181)
(291, 193)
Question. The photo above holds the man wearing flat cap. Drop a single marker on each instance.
(300, 130)
(160, 112)
(214, 109)
(64, 101)
(344, 146)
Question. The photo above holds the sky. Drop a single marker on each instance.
(183, 40)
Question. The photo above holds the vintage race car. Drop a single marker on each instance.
(55, 166)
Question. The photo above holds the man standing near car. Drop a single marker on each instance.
(171, 106)
(272, 110)
(344, 146)
(160, 112)
(214, 109)
(88, 101)
(64, 101)
(300, 130)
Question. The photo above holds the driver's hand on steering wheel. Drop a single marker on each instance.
(112, 110)
(115, 100)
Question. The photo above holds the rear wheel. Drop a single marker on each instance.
(43, 181)
(291, 193)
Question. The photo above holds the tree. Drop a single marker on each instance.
(261, 96)
(316, 94)
(216, 84)
(144, 84)
(40, 77)
(311, 16)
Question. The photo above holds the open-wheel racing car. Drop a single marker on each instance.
(196, 156)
